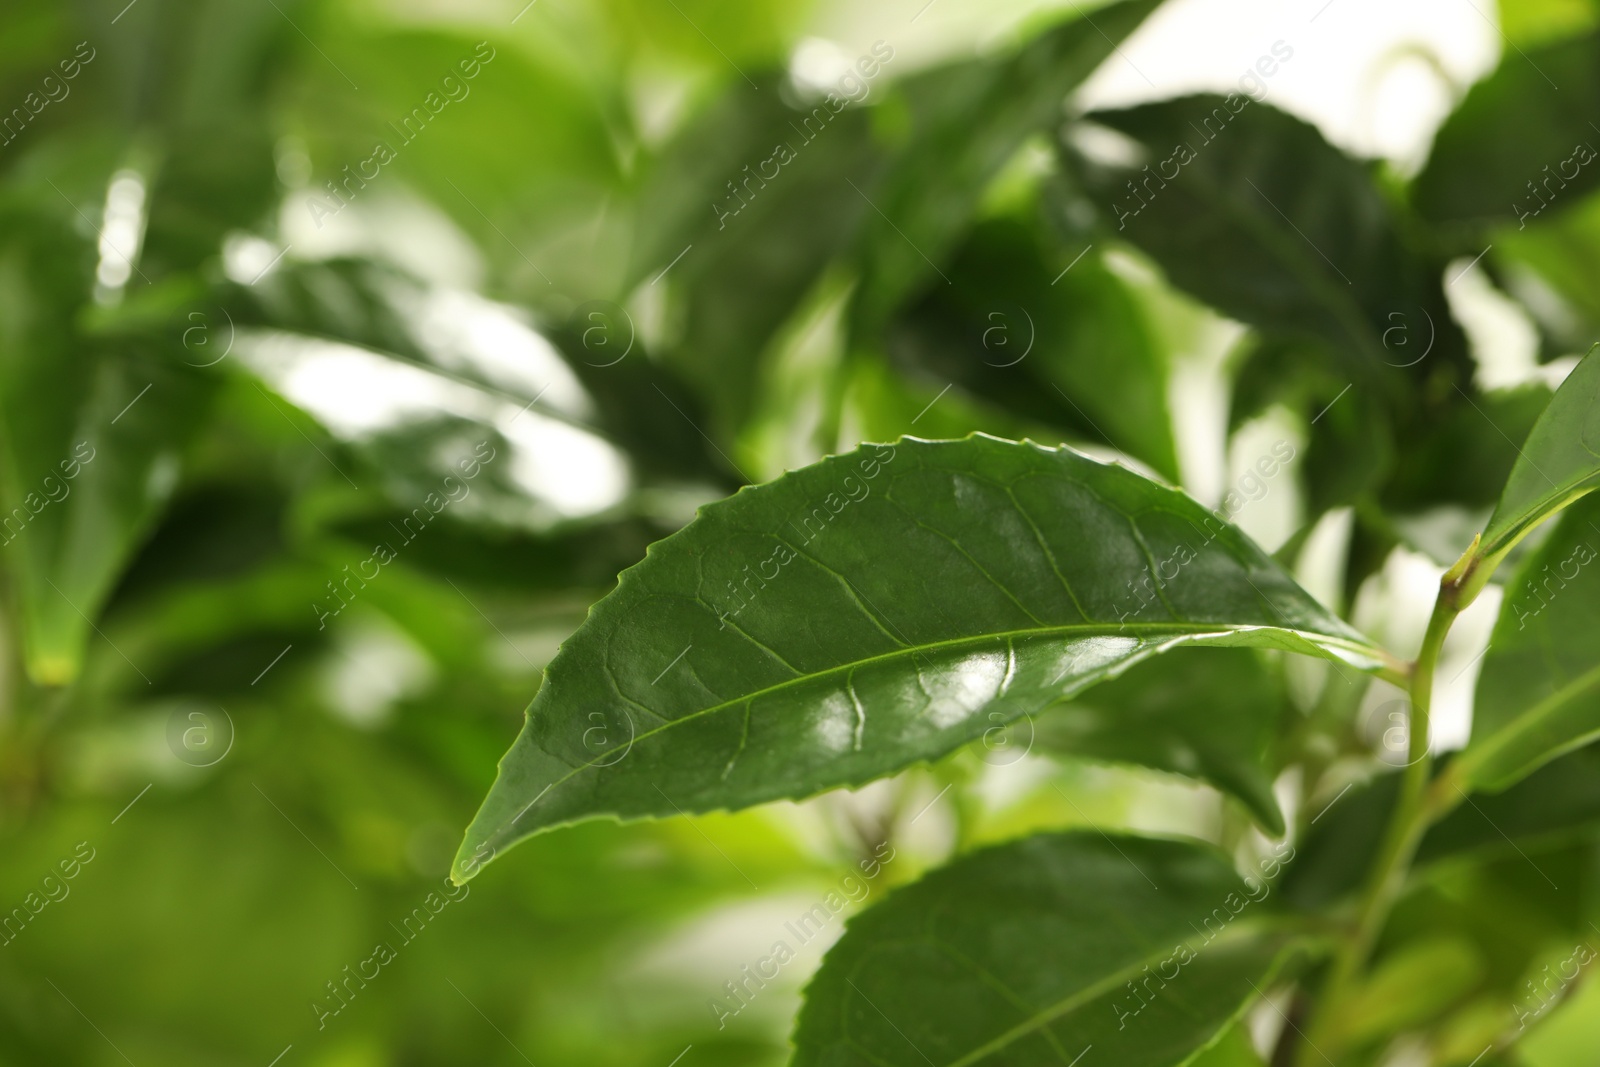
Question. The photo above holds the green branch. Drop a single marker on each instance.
(1415, 811)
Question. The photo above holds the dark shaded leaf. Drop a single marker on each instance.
(1560, 802)
(1253, 212)
(963, 123)
(1507, 151)
(1033, 335)
(1032, 952)
(1210, 714)
(1460, 456)
(755, 198)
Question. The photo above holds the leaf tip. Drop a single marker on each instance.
(53, 671)
(470, 861)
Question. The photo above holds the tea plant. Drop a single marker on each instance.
(882, 608)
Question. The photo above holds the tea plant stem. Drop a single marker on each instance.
(1412, 815)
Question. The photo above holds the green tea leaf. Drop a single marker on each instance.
(1255, 213)
(92, 432)
(966, 122)
(759, 195)
(1559, 462)
(430, 97)
(1026, 326)
(1550, 266)
(1411, 987)
(1517, 145)
(1528, 22)
(741, 213)
(1234, 1050)
(1539, 693)
(1036, 951)
(1557, 804)
(871, 611)
(1210, 714)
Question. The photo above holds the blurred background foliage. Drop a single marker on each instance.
(270, 735)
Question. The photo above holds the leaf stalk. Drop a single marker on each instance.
(1416, 810)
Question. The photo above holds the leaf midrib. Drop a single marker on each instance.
(1560, 498)
(1244, 931)
(1100, 629)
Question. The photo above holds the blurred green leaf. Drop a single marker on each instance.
(1252, 211)
(1463, 453)
(961, 125)
(741, 214)
(1569, 1037)
(1556, 804)
(93, 434)
(1413, 986)
(745, 32)
(1018, 329)
(1527, 22)
(1233, 1050)
(1549, 266)
(1210, 714)
(1521, 142)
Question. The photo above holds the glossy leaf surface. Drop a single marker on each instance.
(872, 611)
